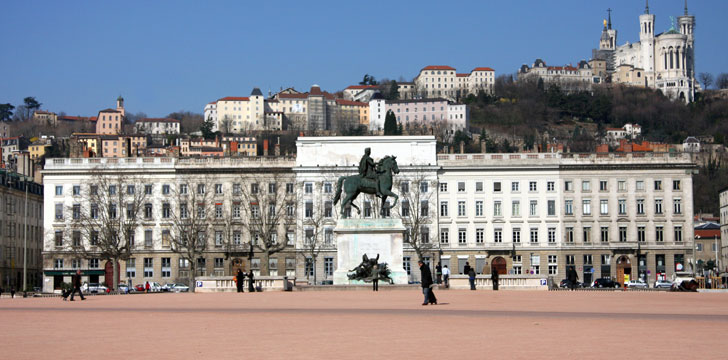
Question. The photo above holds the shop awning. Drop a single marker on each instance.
(73, 272)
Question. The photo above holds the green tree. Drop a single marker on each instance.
(6, 112)
(390, 123)
(368, 80)
(207, 129)
(393, 91)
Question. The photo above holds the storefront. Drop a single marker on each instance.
(54, 279)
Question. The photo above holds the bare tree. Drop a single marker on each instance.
(268, 205)
(706, 79)
(191, 221)
(226, 125)
(416, 210)
(319, 218)
(105, 220)
(722, 81)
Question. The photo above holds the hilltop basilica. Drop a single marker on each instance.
(665, 61)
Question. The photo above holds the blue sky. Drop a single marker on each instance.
(164, 56)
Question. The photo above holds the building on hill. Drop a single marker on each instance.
(158, 126)
(45, 117)
(628, 131)
(442, 81)
(723, 203)
(426, 113)
(663, 61)
(568, 78)
(691, 144)
(361, 93)
(237, 114)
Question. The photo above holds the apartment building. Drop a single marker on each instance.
(622, 216)
(444, 81)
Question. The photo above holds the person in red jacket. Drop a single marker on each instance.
(147, 287)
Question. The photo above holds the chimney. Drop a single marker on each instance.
(462, 147)
(265, 147)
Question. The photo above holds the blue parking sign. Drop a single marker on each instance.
(199, 284)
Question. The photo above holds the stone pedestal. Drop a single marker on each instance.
(356, 237)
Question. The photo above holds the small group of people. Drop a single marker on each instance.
(12, 292)
(240, 281)
(443, 274)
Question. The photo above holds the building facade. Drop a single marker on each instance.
(419, 112)
(723, 202)
(158, 126)
(435, 81)
(567, 78)
(607, 215)
(20, 225)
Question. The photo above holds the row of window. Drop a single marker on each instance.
(534, 235)
(568, 186)
(201, 189)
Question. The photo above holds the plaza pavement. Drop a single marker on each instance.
(359, 324)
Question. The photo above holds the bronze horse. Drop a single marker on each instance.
(354, 185)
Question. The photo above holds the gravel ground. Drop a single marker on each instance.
(358, 324)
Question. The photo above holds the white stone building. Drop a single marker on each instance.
(158, 126)
(567, 77)
(628, 131)
(607, 215)
(435, 81)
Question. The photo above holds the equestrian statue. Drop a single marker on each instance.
(374, 178)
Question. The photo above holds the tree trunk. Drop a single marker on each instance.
(264, 259)
(115, 273)
(193, 276)
(314, 268)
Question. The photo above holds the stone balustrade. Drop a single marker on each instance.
(227, 283)
(505, 282)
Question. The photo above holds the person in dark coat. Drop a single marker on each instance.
(494, 278)
(466, 268)
(251, 281)
(471, 278)
(426, 279)
(240, 280)
(375, 278)
(438, 272)
(572, 276)
(77, 285)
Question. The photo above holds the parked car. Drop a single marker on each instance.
(637, 284)
(155, 287)
(605, 283)
(123, 288)
(167, 287)
(93, 288)
(139, 287)
(179, 288)
(564, 284)
(663, 284)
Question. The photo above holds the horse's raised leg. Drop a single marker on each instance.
(390, 193)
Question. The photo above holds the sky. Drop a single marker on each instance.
(166, 56)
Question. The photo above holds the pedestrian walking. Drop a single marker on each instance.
(446, 276)
(12, 292)
(572, 277)
(466, 268)
(240, 280)
(426, 279)
(147, 287)
(77, 285)
(438, 272)
(494, 278)
(251, 281)
(471, 278)
(375, 278)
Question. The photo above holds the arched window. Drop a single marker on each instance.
(664, 53)
(677, 58)
(672, 59)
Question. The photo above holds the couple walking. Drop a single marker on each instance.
(241, 281)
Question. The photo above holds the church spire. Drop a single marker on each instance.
(609, 16)
(686, 7)
(647, 6)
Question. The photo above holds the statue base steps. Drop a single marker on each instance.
(356, 237)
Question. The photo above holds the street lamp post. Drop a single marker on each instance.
(25, 241)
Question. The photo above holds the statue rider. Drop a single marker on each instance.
(368, 169)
